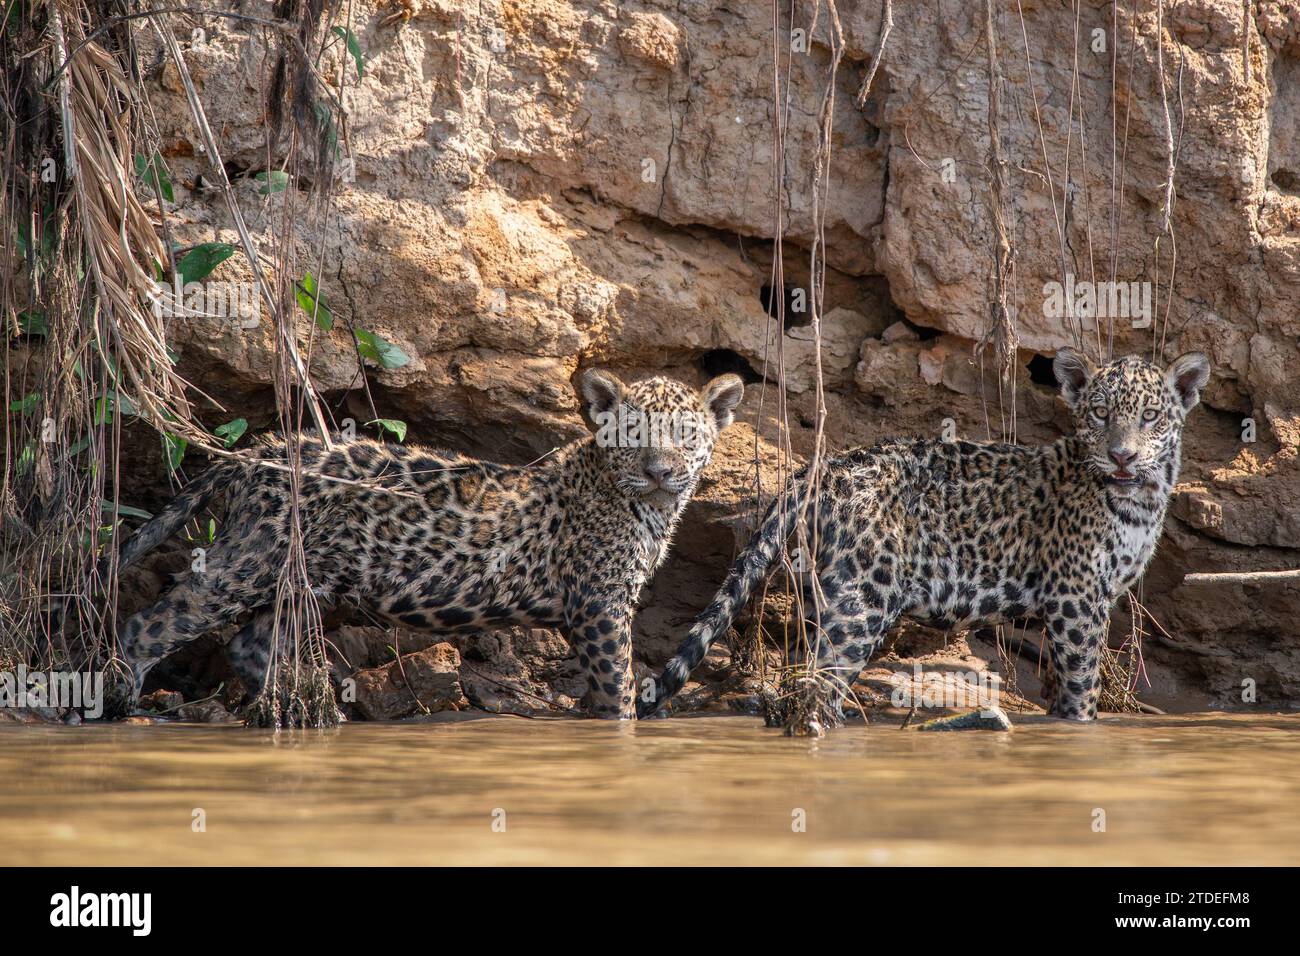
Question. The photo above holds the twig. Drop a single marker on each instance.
(886, 24)
(1241, 577)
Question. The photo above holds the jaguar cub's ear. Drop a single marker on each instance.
(602, 393)
(721, 396)
(1187, 375)
(1073, 369)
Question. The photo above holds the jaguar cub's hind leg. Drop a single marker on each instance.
(249, 651)
(858, 607)
(853, 625)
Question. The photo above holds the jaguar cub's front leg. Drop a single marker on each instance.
(1076, 629)
(600, 631)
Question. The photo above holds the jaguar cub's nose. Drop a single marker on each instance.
(1122, 456)
(658, 473)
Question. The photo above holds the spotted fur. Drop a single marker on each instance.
(964, 533)
(438, 542)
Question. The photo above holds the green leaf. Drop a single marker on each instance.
(106, 405)
(104, 535)
(354, 48)
(398, 428)
(26, 405)
(212, 530)
(27, 457)
(107, 507)
(325, 117)
(313, 303)
(273, 181)
(174, 450)
(379, 349)
(146, 170)
(198, 263)
(231, 431)
(33, 322)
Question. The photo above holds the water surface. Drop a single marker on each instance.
(505, 790)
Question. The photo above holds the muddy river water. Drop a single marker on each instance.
(504, 790)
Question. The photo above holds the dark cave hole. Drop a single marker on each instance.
(1286, 180)
(1040, 371)
(794, 296)
(724, 361)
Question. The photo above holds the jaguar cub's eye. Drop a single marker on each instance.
(1150, 415)
(1100, 412)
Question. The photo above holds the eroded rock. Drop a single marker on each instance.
(426, 681)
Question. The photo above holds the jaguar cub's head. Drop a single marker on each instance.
(1130, 414)
(657, 435)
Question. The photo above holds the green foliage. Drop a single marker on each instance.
(312, 302)
(25, 405)
(174, 450)
(27, 457)
(33, 322)
(378, 349)
(325, 116)
(231, 431)
(147, 169)
(104, 536)
(354, 48)
(107, 507)
(107, 404)
(198, 263)
(49, 237)
(273, 181)
(393, 425)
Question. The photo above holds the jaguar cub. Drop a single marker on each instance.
(964, 533)
(434, 541)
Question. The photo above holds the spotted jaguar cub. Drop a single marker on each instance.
(965, 533)
(434, 541)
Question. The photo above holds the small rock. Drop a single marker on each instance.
(991, 718)
(161, 700)
(430, 676)
(652, 38)
(899, 332)
(206, 712)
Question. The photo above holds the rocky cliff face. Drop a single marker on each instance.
(531, 185)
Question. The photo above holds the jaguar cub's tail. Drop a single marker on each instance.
(750, 568)
(194, 497)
